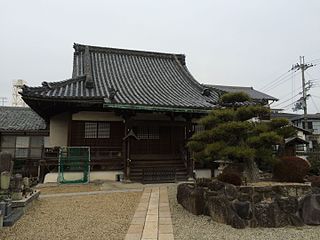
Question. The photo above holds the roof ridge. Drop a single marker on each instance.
(50, 85)
(81, 48)
(217, 85)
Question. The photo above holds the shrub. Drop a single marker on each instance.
(291, 169)
(231, 177)
(235, 97)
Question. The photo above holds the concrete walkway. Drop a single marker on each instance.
(152, 219)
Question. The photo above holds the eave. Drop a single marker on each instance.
(155, 108)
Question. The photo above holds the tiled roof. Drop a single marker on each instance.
(315, 116)
(20, 119)
(283, 115)
(254, 94)
(128, 77)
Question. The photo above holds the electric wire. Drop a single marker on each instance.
(279, 104)
(280, 82)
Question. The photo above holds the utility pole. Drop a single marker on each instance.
(303, 67)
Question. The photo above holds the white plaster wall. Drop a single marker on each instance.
(59, 130)
(95, 116)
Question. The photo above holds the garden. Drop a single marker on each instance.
(263, 185)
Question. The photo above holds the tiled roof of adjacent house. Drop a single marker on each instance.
(131, 77)
(315, 116)
(20, 119)
(254, 94)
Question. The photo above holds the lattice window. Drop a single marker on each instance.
(22, 147)
(103, 130)
(198, 128)
(97, 130)
(36, 144)
(90, 130)
(8, 144)
(142, 132)
(148, 133)
(154, 133)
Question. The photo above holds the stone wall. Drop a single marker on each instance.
(252, 206)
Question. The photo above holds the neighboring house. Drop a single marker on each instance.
(313, 126)
(134, 109)
(255, 95)
(297, 145)
(278, 113)
(23, 134)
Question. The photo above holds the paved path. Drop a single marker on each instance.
(152, 219)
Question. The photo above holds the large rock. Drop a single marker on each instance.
(242, 209)
(191, 198)
(221, 210)
(268, 214)
(310, 209)
(230, 192)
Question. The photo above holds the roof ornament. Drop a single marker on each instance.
(206, 92)
(46, 85)
(112, 94)
(87, 68)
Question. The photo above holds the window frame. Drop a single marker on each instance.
(97, 130)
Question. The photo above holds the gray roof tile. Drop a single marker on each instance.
(138, 77)
(20, 119)
(254, 94)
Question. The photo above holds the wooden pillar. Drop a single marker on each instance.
(188, 136)
(126, 146)
(124, 149)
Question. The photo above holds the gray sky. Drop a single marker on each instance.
(230, 42)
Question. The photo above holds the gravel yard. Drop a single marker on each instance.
(103, 216)
(187, 226)
(60, 188)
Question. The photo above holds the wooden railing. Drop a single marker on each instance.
(106, 158)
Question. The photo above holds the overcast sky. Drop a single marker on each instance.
(244, 43)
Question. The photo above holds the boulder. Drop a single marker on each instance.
(220, 209)
(242, 209)
(230, 192)
(310, 209)
(268, 214)
(191, 198)
(216, 185)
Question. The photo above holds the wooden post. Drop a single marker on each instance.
(188, 135)
(124, 150)
(126, 146)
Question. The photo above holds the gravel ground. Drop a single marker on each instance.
(105, 216)
(55, 188)
(187, 226)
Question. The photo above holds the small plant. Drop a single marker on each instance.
(291, 169)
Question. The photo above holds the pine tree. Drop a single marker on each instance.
(231, 133)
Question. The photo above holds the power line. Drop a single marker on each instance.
(276, 84)
(272, 82)
(280, 103)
